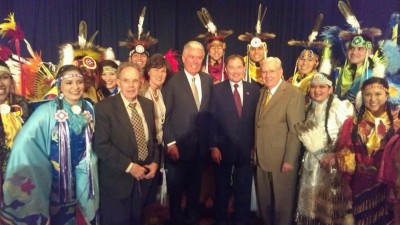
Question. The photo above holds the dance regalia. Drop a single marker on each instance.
(216, 71)
(319, 200)
(350, 79)
(254, 72)
(362, 165)
(52, 174)
(302, 83)
(10, 123)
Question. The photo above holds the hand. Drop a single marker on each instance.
(328, 160)
(216, 155)
(173, 152)
(152, 167)
(137, 171)
(287, 167)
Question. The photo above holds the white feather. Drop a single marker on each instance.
(379, 69)
(211, 27)
(81, 41)
(358, 100)
(29, 47)
(68, 55)
(109, 54)
(258, 27)
(326, 66)
(140, 26)
(312, 36)
(352, 20)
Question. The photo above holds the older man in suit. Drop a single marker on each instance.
(125, 142)
(233, 106)
(279, 108)
(186, 98)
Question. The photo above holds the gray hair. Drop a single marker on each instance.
(193, 45)
(274, 60)
(129, 64)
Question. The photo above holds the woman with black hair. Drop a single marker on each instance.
(51, 175)
(360, 155)
(108, 81)
(325, 114)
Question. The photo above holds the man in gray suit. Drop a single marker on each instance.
(186, 97)
(279, 108)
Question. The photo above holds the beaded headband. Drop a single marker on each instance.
(359, 41)
(319, 78)
(380, 86)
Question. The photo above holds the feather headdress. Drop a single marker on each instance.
(213, 33)
(82, 52)
(311, 43)
(355, 28)
(141, 42)
(13, 31)
(258, 37)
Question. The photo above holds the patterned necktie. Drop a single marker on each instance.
(238, 103)
(137, 124)
(195, 92)
(265, 102)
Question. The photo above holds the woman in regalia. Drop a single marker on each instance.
(51, 175)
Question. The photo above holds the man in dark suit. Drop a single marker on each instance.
(280, 107)
(233, 106)
(125, 142)
(186, 97)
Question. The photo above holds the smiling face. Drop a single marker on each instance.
(192, 60)
(356, 55)
(216, 50)
(129, 81)
(306, 66)
(5, 85)
(72, 87)
(235, 69)
(271, 73)
(157, 76)
(256, 54)
(139, 58)
(109, 79)
(375, 98)
(319, 92)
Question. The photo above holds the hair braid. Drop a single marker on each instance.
(354, 131)
(391, 130)
(328, 107)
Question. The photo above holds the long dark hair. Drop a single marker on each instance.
(389, 107)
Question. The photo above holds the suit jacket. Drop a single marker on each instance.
(233, 135)
(276, 138)
(116, 146)
(184, 123)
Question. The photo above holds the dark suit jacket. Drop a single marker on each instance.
(233, 135)
(116, 146)
(276, 138)
(183, 122)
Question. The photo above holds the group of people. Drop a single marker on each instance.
(319, 148)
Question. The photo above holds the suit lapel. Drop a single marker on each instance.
(246, 96)
(275, 97)
(205, 92)
(124, 116)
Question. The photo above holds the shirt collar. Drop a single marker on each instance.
(126, 101)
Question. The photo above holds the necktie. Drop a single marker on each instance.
(265, 102)
(238, 103)
(195, 92)
(137, 124)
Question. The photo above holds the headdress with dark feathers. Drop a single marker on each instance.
(258, 37)
(141, 42)
(212, 32)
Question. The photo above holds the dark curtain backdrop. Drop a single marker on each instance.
(49, 23)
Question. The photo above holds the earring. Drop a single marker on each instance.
(61, 96)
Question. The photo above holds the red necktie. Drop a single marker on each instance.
(238, 103)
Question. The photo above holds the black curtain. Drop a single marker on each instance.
(49, 23)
